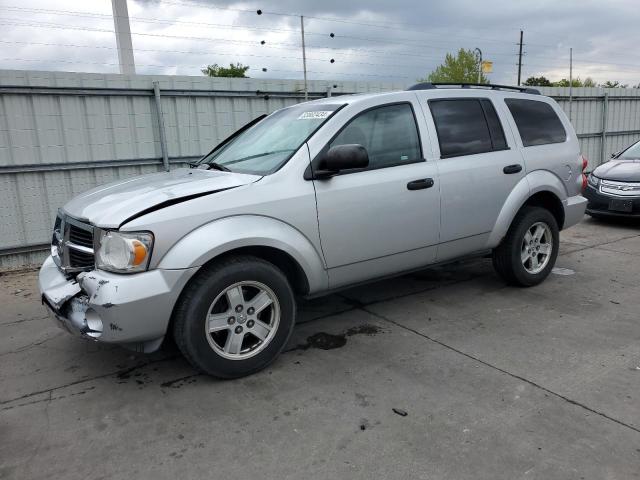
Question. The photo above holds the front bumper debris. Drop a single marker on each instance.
(131, 310)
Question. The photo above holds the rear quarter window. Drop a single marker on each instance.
(537, 122)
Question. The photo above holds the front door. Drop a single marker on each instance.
(385, 218)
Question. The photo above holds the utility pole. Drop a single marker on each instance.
(479, 54)
(123, 37)
(570, 82)
(304, 60)
(520, 59)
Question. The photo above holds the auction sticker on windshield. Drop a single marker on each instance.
(314, 115)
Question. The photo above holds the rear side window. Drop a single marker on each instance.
(537, 122)
(467, 126)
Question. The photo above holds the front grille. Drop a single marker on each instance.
(80, 236)
(80, 259)
(72, 244)
(622, 189)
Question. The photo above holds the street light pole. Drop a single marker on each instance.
(479, 54)
(570, 81)
(304, 59)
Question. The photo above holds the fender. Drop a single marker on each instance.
(532, 183)
(225, 234)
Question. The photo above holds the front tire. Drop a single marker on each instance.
(235, 317)
(528, 252)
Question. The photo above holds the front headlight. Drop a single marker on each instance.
(123, 252)
(593, 180)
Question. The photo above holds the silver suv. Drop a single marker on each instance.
(312, 198)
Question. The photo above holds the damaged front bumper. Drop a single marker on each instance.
(130, 310)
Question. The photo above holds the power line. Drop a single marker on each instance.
(156, 20)
(106, 17)
(82, 62)
(18, 22)
(371, 23)
(234, 54)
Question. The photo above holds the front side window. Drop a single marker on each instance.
(537, 122)
(389, 133)
(266, 146)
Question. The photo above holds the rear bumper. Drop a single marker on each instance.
(574, 208)
(130, 310)
(598, 204)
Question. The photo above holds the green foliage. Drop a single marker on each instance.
(576, 82)
(613, 84)
(462, 68)
(540, 81)
(238, 70)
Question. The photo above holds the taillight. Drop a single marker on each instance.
(585, 163)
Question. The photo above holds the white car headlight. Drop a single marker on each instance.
(593, 180)
(124, 252)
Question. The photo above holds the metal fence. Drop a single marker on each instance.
(606, 119)
(63, 133)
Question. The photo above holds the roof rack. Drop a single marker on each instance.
(490, 86)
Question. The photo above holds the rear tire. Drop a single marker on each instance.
(529, 250)
(235, 317)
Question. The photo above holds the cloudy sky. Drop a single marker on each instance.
(379, 40)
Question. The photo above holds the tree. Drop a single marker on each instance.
(238, 70)
(576, 82)
(462, 68)
(540, 81)
(589, 82)
(614, 84)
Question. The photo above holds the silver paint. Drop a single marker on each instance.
(340, 231)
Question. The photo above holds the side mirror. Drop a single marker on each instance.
(343, 157)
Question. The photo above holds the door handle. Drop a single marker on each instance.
(512, 169)
(420, 184)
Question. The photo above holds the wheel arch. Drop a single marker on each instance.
(264, 237)
(540, 188)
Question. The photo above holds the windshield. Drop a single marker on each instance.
(266, 146)
(631, 153)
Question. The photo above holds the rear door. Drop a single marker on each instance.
(478, 168)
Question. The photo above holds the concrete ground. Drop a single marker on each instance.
(488, 382)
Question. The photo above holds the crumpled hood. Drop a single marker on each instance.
(619, 170)
(112, 204)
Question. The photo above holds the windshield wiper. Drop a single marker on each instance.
(258, 155)
(211, 166)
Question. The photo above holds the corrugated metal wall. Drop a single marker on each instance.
(63, 133)
(620, 126)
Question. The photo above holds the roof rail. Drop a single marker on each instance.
(490, 86)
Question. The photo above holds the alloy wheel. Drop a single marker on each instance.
(242, 320)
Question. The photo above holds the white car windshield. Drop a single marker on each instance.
(266, 146)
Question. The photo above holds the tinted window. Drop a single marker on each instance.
(462, 127)
(389, 134)
(495, 127)
(537, 122)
